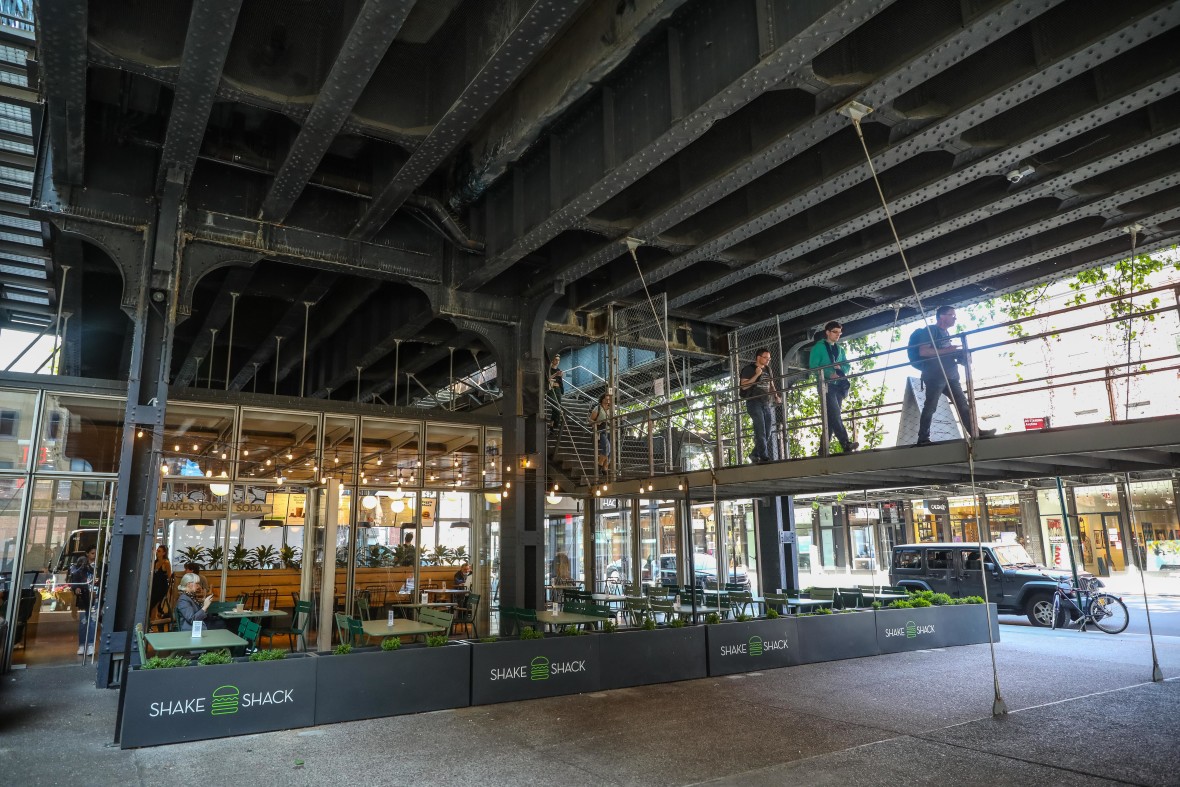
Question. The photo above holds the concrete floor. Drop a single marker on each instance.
(1082, 711)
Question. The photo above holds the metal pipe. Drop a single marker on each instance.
(212, 347)
(1073, 567)
(303, 366)
(973, 427)
(229, 352)
(278, 346)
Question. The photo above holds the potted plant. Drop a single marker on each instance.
(217, 696)
(533, 665)
(828, 636)
(749, 644)
(934, 620)
(392, 678)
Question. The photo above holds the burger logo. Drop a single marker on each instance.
(540, 668)
(225, 701)
(755, 646)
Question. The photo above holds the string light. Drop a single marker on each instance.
(139, 433)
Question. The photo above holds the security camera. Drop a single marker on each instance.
(1017, 175)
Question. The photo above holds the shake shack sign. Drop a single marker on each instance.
(522, 669)
(752, 645)
(193, 703)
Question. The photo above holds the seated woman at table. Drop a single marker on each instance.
(190, 606)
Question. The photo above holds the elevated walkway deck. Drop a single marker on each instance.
(1126, 446)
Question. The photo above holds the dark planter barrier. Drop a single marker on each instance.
(374, 683)
(752, 645)
(218, 701)
(638, 658)
(514, 669)
(847, 635)
(900, 630)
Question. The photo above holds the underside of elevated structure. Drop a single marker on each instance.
(391, 174)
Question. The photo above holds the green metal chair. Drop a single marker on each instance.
(741, 600)
(665, 607)
(341, 626)
(297, 627)
(778, 601)
(436, 617)
(140, 644)
(466, 615)
(362, 607)
(248, 630)
(356, 632)
(637, 610)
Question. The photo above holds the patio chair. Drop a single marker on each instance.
(467, 615)
(436, 617)
(362, 607)
(341, 627)
(356, 632)
(248, 630)
(297, 627)
(636, 610)
(664, 607)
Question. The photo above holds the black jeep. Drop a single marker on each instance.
(1015, 583)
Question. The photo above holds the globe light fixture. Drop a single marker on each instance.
(220, 489)
(369, 502)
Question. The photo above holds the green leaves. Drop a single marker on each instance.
(215, 657)
(165, 662)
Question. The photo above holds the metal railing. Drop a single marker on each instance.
(715, 420)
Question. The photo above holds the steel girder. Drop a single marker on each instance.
(375, 27)
(528, 36)
(804, 40)
(951, 47)
(61, 27)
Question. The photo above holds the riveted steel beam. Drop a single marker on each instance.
(877, 280)
(314, 249)
(374, 30)
(802, 42)
(1038, 80)
(210, 30)
(948, 48)
(527, 38)
(62, 30)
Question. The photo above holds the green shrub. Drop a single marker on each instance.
(391, 643)
(771, 613)
(875, 605)
(969, 600)
(343, 649)
(926, 595)
(609, 626)
(488, 639)
(921, 602)
(165, 662)
(901, 604)
(743, 617)
(215, 657)
(528, 632)
(649, 624)
(824, 611)
(574, 631)
(437, 640)
(268, 655)
(712, 618)
(676, 623)
(940, 599)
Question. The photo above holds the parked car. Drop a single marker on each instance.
(705, 568)
(1015, 583)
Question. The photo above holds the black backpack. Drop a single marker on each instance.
(913, 349)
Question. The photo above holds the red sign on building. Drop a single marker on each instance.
(1040, 422)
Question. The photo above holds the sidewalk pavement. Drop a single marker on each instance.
(1082, 712)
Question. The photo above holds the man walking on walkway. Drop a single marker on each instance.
(828, 352)
(756, 387)
(940, 373)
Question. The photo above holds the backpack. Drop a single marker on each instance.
(913, 349)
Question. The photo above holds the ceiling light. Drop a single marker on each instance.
(553, 499)
(398, 506)
(221, 490)
(369, 502)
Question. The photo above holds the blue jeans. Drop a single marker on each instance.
(759, 411)
(603, 444)
(836, 394)
(87, 621)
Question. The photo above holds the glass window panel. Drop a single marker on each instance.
(454, 457)
(11, 499)
(390, 453)
(339, 444)
(198, 441)
(493, 465)
(279, 444)
(658, 542)
(16, 428)
(80, 434)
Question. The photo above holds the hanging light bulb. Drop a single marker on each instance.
(397, 506)
(176, 447)
(196, 447)
(378, 461)
(221, 490)
(139, 433)
(369, 502)
(208, 473)
(268, 463)
(164, 468)
(290, 456)
(223, 454)
(245, 452)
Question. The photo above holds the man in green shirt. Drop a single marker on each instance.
(828, 355)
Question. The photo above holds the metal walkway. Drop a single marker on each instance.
(1128, 446)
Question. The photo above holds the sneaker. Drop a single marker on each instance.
(852, 447)
(81, 648)
(923, 441)
(754, 459)
(987, 432)
(90, 649)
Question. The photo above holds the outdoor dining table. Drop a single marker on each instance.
(211, 639)
(418, 606)
(608, 598)
(884, 596)
(552, 619)
(235, 614)
(808, 603)
(686, 609)
(401, 627)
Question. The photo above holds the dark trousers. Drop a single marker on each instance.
(553, 397)
(759, 411)
(835, 400)
(935, 388)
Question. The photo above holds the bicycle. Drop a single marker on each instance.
(1086, 604)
